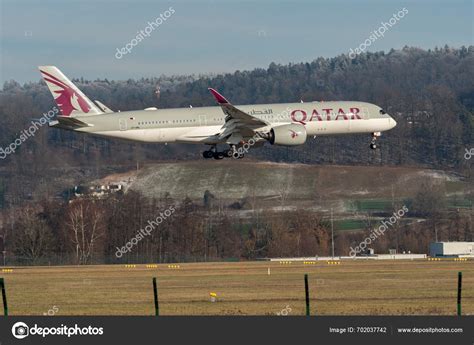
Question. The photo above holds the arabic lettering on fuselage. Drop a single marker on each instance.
(260, 112)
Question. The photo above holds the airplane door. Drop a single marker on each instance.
(161, 135)
(202, 120)
(123, 124)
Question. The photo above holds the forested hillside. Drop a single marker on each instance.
(429, 93)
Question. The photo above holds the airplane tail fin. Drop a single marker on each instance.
(70, 100)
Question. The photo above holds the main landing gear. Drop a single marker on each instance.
(373, 142)
(214, 153)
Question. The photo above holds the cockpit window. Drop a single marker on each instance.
(381, 111)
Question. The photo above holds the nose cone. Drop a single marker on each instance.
(392, 122)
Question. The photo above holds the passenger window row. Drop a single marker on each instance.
(165, 121)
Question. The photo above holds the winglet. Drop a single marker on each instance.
(219, 98)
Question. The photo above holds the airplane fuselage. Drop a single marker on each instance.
(287, 124)
(201, 124)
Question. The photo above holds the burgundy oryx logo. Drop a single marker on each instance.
(68, 99)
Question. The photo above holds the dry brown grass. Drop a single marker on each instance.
(352, 288)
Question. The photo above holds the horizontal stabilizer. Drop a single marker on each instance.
(103, 107)
(69, 122)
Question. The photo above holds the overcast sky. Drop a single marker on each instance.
(82, 37)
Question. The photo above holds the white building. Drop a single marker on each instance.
(451, 249)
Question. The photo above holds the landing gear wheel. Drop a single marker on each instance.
(208, 154)
(227, 153)
(218, 155)
(373, 142)
(237, 155)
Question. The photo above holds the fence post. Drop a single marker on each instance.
(155, 294)
(459, 292)
(306, 288)
(4, 297)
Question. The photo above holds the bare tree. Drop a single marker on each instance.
(85, 227)
(33, 238)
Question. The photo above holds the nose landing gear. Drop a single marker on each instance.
(373, 142)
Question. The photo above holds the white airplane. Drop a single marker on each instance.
(286, 124)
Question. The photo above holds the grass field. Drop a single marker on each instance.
(244, 288)
(349, 224)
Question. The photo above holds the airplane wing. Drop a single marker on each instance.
(238, 124)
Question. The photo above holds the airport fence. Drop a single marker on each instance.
(305, 282)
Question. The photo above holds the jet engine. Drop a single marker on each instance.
(287, 135)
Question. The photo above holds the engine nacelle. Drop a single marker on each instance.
(288, 135)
